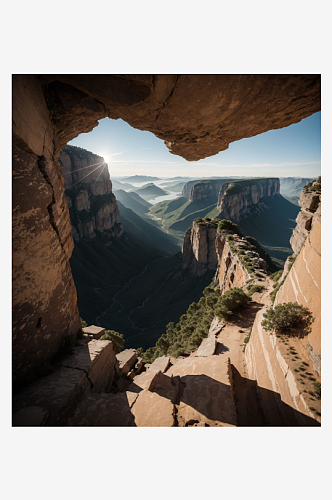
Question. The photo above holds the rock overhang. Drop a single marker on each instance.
(195, 115)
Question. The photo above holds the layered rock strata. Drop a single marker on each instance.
(238, 198)
(205, 190)
(310, 210)
(50, 110)
(198, 250)
(282, 399)
(232, 256)
(88, 189)
(303, 281)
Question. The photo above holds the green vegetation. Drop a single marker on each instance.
(193, 327)
(73, 151)
(116, 338)
(276, 276)
(289, 318)
(291, 261)
(255, 288)
(143, 229)
(229, 226)
(238, 186)
(311, 188)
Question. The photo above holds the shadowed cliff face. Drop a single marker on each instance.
(196, 116)
(92, 205)
(237, 198)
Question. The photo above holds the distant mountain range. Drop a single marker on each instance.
(291, 187)
(146, 231)
(149, 191)
(133, 201)
(137, 178)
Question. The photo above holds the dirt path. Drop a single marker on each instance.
(232, 336)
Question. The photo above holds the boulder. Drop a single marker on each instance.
(94, 331)
(127, 360)
(160, 364)
(152, 410)
(97, 358)
(207, 347)
(216, 326)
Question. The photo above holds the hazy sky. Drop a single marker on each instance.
(290, 151)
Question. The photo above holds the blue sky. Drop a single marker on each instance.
(286, 152)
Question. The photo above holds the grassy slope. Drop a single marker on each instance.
(273, 227)
(142, 229)
(132, 201)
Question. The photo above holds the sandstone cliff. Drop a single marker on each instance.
(310, 210)
(50, 110)
(238, 198)
(303, 282)
(199, 249)
(88, 188)
(207, 246)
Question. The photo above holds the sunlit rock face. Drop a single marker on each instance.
(237, 199)
(88, 189)
(303, 282)
(198, 250)
(196, 116)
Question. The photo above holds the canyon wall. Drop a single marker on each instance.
(205, 190)
(88, 188)
(238, 197)
(303, 282)
(231, 255)
(198, 249)
(50, 110)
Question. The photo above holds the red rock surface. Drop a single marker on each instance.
(196, 115)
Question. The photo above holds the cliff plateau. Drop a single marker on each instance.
(238, 198)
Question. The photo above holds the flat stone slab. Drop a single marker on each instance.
(207, 347)
(100, 410)
(97, 359)
(143, 381)
(160, 364)
(152, 410)
(207, 394)
(216, 326)
(95, 331)
(127, 360)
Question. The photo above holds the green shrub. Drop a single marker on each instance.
(290, 319)
(116, 338)
(229, 225)
(255, 288)
(276, 276)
